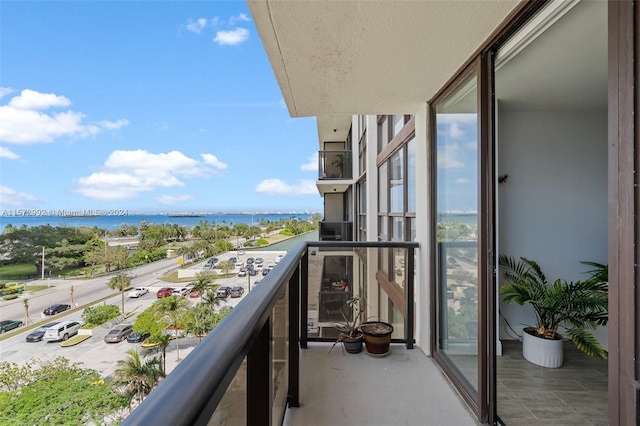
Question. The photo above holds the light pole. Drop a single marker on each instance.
(42, 263)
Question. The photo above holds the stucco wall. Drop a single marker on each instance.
(553, 207)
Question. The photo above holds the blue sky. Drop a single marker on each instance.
(149, 106)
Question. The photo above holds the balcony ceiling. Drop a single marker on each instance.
(338, 58)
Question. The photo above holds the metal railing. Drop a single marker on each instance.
(334, 165)
(254, 353)
(336, 231)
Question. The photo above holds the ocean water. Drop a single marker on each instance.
(115, 220)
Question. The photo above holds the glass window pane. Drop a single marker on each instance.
(411, 176)
(457, 250)
(396, 182)
(383, 205)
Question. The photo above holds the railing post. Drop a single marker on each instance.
(259, 373)
(293, 391)
(409, 320)
(304, 298)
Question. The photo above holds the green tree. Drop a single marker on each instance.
(161, 341)
(120, 282)
(200, 320)
(173, 309)
(203, 282)
(135, 378)
(56, 392)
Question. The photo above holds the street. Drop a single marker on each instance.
(94, 353)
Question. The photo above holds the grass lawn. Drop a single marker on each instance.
(36, 287)
(173, 277)
(9, 272)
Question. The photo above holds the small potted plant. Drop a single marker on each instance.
(350, 335)
(578, 307)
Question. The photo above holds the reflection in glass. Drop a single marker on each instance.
(457, 226)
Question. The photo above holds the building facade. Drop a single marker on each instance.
(475, 129)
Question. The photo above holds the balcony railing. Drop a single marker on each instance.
(334, 165)
(252, 359)
(336, 231)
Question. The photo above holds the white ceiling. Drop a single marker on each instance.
(564, 67)
(333, 59)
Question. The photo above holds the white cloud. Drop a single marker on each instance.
(447, 157)
(240, 18)
(30, 99)
(462, 181)
(7, 153)
(232, 37)
(279, 187)
(174, 199)
(213, 161)
(196, 26)
(22, 120)
(113, 125)
(128, 174)
(4, 91)
(311, 165)
(10, 197)
(455, 131)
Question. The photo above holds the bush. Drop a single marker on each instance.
(10, 297)
(262, 242)
(287, 233)
(100, 314)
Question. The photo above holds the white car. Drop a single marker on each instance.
(137, 292)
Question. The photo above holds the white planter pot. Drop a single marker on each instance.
(543, 352)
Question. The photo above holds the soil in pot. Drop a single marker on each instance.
(377, 336)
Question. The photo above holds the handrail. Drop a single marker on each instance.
(191, 393)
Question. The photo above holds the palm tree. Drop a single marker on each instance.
(162, 341)
(200, 320)
(211, 298)
(202, 283)
(173, 309)
(136, 377)
(120, 282)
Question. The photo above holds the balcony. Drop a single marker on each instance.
(334, 165)
(336, 231)
(268, 362)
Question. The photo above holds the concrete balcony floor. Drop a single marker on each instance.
(403, 388)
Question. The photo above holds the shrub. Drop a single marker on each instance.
(287, 233)
(10, 297)
(100, 314)
(262, 242)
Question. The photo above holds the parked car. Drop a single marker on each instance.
(243, 272)
(62, 331)
(137, 337)
(239, 265)
(37, 334)
(259, 260)
(56, 309)
(223, 292)
(118, 333)
(237, 291)
(7, 325)
(233, 260)
(265, 271)
(180, 291)
(137, 292)
(253, 272)
(250, 260)
(164, 292)
(194, 294)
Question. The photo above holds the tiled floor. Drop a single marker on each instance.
(575, 394)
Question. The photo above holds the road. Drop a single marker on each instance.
(94, 353)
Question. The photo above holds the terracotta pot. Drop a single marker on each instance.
(377, 336)
(540, 351)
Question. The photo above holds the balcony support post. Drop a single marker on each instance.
(410, 318)
(259, 373)
(304, 298)
(293, 391)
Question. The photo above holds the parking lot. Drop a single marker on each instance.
(94, 353)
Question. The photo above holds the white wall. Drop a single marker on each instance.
(553, 207)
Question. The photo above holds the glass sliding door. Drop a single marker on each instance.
(457, 249)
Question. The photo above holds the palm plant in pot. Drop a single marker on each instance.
(350, 335)
(576, 307)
